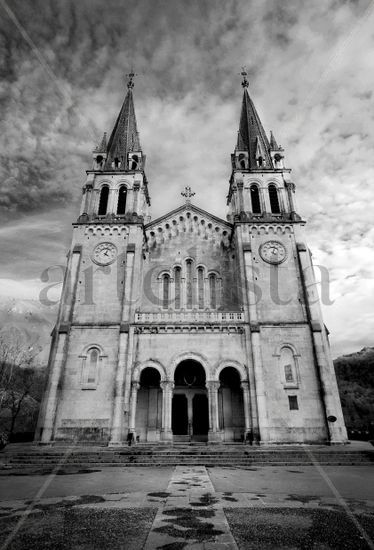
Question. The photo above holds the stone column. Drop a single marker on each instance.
(266, 199)
(260, 386)
(133, 401)
(46, 424)
(290, 187)
(129, 201)
(253, 345)
(136, 197)
(48, 412)
(125, 357)
(240, 186)
(85, 200)
(109, 208)
(324, 366)
(167, 395)
(213, 386)
(247, 408)
(69, 292)
(95, 199)
(119, 409)
(113, 201)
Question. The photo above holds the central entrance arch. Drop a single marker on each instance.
(190, 410)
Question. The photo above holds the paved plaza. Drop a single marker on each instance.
(190, 507)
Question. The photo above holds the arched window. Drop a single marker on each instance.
(177, 283)
(288, 367)
(274, 201)
(103, 203)
(213, 291)
(133, 162)
(243, 162)
(200, 287)
(255, 199)
(122, 196)
(165, 291)
(90, 368)
(189, 284)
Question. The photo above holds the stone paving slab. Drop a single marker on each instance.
(217, 500)
(191, 521)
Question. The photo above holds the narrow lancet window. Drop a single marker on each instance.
(200, 287)
(189, 284)
(177, 283)
(255, 199)
(288, 373)
(274, 200)
(122, 196)
(165, 291)
(103, 203)
(90, 370)
(213, 291)
(288, 365)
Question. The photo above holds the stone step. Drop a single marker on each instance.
(171, 461)
(236, 456)
(122, 456)
(43, 468)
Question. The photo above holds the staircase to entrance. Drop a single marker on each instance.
(33, 457)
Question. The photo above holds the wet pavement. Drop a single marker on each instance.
(191, 507)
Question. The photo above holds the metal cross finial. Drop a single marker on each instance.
(130, 76)
(188, 194)
(244, 74)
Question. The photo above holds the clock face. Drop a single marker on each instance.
(104, 253)
(273, 252)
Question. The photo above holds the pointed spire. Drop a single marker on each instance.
(251, 136)
(273, 142)
(101, 148)
(124, 138)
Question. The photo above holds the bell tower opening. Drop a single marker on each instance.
(190, 411)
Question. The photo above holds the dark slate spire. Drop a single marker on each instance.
(273, 142)
(102, 147)
(251, 136)
(124, 138)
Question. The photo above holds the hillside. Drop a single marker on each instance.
(31, 319)
(355, 375)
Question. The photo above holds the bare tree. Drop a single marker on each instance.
(20, 380)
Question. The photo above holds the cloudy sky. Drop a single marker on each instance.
(311, 67)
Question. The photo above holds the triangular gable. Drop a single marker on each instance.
(189, 220)
(185, 208)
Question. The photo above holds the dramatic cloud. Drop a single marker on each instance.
(310, 67)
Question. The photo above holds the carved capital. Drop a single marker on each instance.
(213, 385)
(135, 386)
(167, 385)
(244, 386)
(290, 185)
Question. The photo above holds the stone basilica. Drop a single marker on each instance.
(190, 327)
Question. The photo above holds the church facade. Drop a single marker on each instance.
(190, 327)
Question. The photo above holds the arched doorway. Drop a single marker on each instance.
(230, 405)
(190, 411)
(149, 406)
